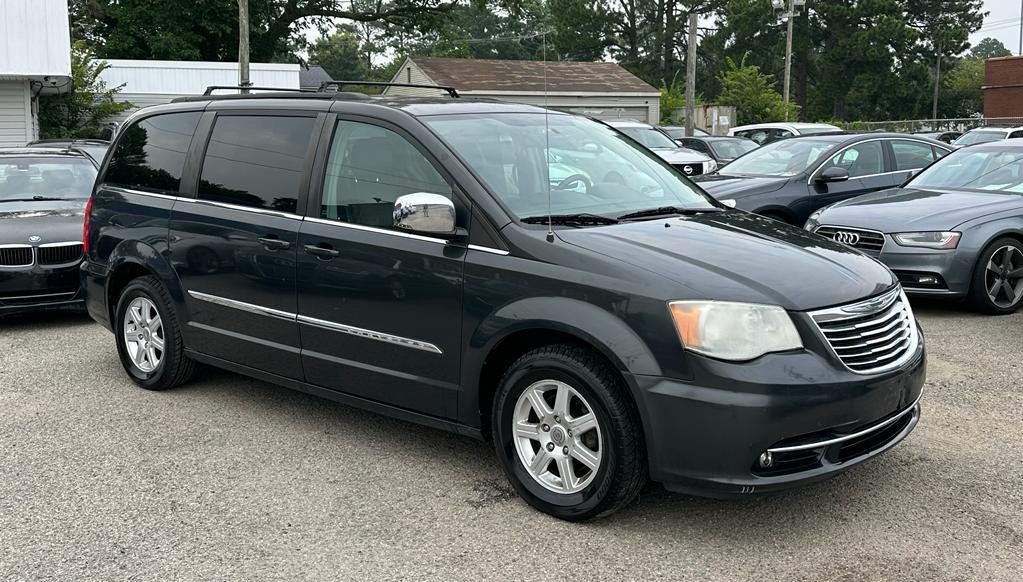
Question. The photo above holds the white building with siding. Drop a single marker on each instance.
(35, 58)
(601, 90)
(148, 83)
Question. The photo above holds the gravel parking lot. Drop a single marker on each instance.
(231, 478)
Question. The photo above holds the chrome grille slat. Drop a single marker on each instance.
(870, 336)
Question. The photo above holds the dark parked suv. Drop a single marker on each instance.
(415, 257)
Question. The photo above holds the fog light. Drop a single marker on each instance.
(766, 459)
(927, 280)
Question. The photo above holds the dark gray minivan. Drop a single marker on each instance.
(504, 272)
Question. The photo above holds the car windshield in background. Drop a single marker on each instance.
(730, 149)
(592, 168)
(28, 178)
(975, 137)
(781, 158)
(95, 152)
(987, 169)
(649, 137)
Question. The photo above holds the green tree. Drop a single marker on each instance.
(751, 92)
(340, 55)
(208, 29)
(989, 48)
(961, 94)
(81, 111)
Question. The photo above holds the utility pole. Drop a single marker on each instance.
(788, 58)
(937, 81)
(691, 75)
(243, 45)
(1021, 28)
(787, 9)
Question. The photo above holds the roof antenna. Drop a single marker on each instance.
(547, 150)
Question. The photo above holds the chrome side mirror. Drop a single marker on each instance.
(425, 213)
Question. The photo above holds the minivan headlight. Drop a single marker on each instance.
(734, 331)
(931, 240)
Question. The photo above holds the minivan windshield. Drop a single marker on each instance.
(988, 169)
(731, 148)
(589, 168)
(780, 158)
(45, 178)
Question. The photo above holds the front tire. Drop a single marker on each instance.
(997, 286)
(149, 338)
(568, 435)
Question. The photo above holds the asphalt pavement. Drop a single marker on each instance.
(230, 478)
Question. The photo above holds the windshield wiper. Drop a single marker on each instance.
(580, 218)
(667, 210)
(32, 199)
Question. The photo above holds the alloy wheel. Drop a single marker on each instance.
(557, 436)
(1004, 276)
(144, 334)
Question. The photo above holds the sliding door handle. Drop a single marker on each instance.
(273, 243)
(322, 251)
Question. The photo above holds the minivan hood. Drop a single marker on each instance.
(912, 209)
(737, 256)
(680, 156)
(734, 187)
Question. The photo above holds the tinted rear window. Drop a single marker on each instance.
(150, 154)
(256, 161)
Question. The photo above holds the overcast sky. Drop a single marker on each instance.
(1002, 23)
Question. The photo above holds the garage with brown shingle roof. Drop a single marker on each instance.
(602, 90)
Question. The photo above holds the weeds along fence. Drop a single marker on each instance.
(920, 125)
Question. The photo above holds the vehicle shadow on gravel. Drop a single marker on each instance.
(42, 320)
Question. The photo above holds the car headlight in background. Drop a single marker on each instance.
(814, 221)
(931, 240)
(734, 331)
(710, 166)
(728, 202)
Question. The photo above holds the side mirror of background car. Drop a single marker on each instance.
(425, 213)
(833, 174)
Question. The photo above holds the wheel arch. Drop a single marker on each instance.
(133, 259)
(527, 324)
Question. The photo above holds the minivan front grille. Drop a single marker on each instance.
(868, 241)
(15, 256)
(60, 254)
(871, 336)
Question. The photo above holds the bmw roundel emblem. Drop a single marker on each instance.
(35, 238)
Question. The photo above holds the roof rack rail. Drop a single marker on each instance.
(339, 84)
(209, 90)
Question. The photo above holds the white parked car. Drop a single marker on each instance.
(986, 134)
(767, 132)
(689, 162)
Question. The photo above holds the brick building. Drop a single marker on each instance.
(1003, 87)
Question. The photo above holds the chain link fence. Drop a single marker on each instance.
(921, 125)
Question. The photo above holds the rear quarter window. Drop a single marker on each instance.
(150, 154)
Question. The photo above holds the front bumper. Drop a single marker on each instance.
(952, 268)
(38, 287)
(707, 436)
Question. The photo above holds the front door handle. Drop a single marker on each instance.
(274, 244)
(323, 252)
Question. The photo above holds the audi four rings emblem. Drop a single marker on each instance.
(846, 237)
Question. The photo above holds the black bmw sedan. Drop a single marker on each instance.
(789, 179)
(43, 193)
(955, 230)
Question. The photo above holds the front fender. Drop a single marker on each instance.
(601, 329)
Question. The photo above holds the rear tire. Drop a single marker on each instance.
(588, 429)
(997, 285)
(148, 336)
